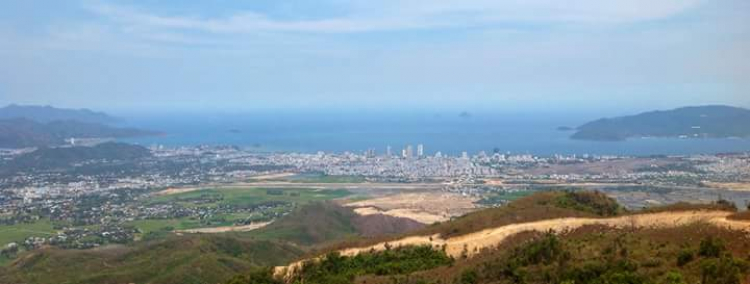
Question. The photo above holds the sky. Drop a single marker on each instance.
(235, 55)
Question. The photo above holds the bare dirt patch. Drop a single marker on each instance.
(426, 208)
(732, 186)
(740, 216)
(170, 191)
(272, 176)
(214, 230)
(416, 215)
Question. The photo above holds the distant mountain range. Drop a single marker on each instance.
(689, 122)
(34, 126)
(46, 114)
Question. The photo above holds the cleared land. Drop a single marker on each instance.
(733, 186)
(214, 230)
(272, 176)
(426, 207)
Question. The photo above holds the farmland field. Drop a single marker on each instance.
(245, 205)
(19, 232)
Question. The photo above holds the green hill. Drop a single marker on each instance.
(178, 259)
(206, 258)
(325, 223)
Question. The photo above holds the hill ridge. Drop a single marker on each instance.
(709, 121)
(472, 243)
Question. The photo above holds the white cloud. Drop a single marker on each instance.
(390, 15)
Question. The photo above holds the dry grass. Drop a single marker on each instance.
(657, 246)
(683, 206)
(740, 216)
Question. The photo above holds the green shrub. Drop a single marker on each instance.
(711, 247)
(684, 257)
(544, 251)
(469, 277)
(674, 278)
(260, 276)
(334, 268)
(724, 270)
(652, 262)
(589, 201)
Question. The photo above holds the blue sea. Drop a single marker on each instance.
(448, 132)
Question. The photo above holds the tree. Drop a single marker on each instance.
(259, 276)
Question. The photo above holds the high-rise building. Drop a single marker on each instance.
(388, 151)
(464, 155)
(409, 152)
(420, 150)
(370, 153)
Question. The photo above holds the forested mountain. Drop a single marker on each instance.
(22, 132)
(688, 122)
(48, 114)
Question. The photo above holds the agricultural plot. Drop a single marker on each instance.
(227, 207)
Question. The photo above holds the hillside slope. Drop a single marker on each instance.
(46, 114)
(327, 223)
(22, 132)
(178, 260)
(688, 122)
(609, 246)
(200, 258)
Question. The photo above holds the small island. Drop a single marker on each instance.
(689, 122)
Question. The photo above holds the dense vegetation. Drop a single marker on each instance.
(176, 259)
(589, 201)
(705, 121)
(550, 259)
(337, 269)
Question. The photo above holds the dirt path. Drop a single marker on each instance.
(287, 184)
(272, 176)
(473, 243)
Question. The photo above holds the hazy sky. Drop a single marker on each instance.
(504, 54)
